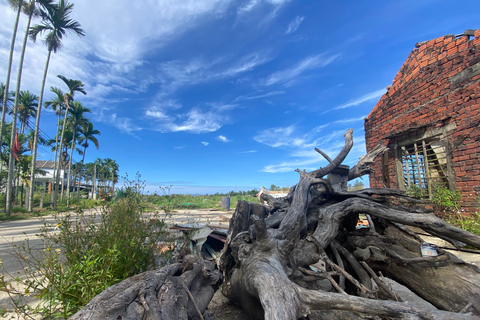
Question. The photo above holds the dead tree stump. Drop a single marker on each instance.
(266, 260)
(178, 291)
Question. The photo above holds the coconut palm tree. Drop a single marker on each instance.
(2, 132)
(27, 102)
(73, 86)
(16, 5)
(88, 134)
(30, 10)
(56, 23)
(75, 123)
(57, 104)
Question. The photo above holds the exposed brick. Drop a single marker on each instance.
(424, 95)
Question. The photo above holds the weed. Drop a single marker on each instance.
(85, 253)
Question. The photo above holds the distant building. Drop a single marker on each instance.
(430, 120)
(46, 180)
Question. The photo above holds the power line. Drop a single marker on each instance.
(42, 134)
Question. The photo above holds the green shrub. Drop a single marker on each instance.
(446, 200)
(84, 254)
(470, 223)
(19, 210)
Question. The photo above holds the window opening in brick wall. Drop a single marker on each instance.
(424, 167)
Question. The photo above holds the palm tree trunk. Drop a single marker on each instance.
(35, 136)
(7, 82)
(8, 196)
(55, 195)
(70, 167)
(54, 177)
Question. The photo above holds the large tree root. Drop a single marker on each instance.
(178, 291)
(269, 251)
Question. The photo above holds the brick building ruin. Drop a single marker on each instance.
(429, 118)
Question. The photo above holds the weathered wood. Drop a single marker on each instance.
(160, 294)
(268, 252)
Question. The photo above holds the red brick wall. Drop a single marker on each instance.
(438, 84)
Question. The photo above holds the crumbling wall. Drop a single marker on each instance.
(437, 88)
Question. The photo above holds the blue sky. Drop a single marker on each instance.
(217, 95)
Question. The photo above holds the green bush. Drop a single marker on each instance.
(84, 254)
(19, 210)
(470, 223)
(446, 200)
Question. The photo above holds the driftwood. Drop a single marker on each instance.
(178, 291)
(266, 260)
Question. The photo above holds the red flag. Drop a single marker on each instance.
(16, 146)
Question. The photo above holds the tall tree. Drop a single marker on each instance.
(29, 8)
(88, 134)
(5, 129)
(26, 108)
(76, 121)
(57, 104)
(16, 5)
(73, 86)
(56, 23)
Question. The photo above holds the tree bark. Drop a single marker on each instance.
(269, 250)
(178, 291)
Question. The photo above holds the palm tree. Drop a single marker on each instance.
(30, 10)
(76, 121)
(56, 23)
(26, 108)
(2, 132)
(73, 86)
(88, 134)
(57, 104)
(16, 5)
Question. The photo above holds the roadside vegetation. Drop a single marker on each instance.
(85, 253)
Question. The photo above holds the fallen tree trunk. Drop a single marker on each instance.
(178, 291)
(266, 260)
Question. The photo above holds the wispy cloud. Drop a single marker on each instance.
(205, 143)
(124, 124)
(299, 147)
(293, 25)
(367, 97)
(309, 63)
(249, 151)
(349, 120)
(259, 96)
(197, 122)
(223, 138)
(177, 74)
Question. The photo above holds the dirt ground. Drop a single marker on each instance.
(220, 308)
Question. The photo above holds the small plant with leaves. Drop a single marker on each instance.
(87, 252)
(446, 200)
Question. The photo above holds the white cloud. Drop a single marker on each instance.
(223, 138)
(124, 124)
(309, 63)
(278, 137)
(367, 97)
(300, 147)
(205, 143)
(177, 74)
(259, 96)
(293, 25)
(349, 120)
(198, 122)
(249, 151)
(290, 166)
(156, 114)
